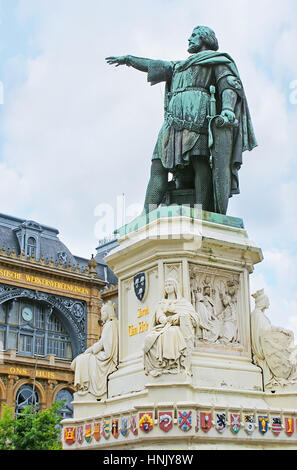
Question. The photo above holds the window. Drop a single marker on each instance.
(67, 409)
(12, 340)
(26, 344)
(26, 396)
(31, 247)
(39, 323)
(2, 332)
(13, 313)
(55, 325)
(33, 328)
(59, 347)
(2, 314)
(39, 345)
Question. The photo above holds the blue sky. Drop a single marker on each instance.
(68, 145)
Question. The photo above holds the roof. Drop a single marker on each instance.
(104, 247)
(51, 247)
(12, 229)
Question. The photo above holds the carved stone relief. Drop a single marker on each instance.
(214, 295)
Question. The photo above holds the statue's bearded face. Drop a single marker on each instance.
(195, 42)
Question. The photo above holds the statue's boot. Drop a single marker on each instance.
(203, 183)
(157, 186)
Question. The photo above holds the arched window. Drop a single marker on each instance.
(33, 328)
(67, 409)
(31, 247)
(2, 328)
(27, 395)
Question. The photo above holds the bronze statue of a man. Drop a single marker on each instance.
(207, 124)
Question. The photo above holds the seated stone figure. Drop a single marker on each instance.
(273, 348)
(168, 347)
(93, 367)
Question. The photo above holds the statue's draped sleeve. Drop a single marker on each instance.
(226, 80)
(159, 71)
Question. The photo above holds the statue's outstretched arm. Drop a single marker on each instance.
(138, 63)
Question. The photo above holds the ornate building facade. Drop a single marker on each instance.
(50, 307)
(110, 290)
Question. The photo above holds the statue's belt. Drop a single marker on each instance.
(170, 94)
(181, 124)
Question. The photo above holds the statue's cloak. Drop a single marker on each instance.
(244, 136)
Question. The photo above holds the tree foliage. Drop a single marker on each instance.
(31, 430)
(6, 428)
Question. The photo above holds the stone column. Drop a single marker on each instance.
(11, 381)
(49, 392)
(94, 315)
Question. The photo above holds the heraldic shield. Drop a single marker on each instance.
(221, 145)
(140, 286)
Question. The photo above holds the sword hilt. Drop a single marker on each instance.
(221, 122)
(213, 101)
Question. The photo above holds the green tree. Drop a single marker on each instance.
(7, 422)
(31, 430)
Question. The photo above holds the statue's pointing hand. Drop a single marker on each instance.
(116, 60)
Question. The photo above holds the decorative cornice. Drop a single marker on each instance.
(88, 273)
(109, 291)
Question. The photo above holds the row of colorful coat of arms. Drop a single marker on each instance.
(186, 420)
(104, 429)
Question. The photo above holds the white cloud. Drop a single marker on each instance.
(293, 325)
(277, 275)
(14, 190)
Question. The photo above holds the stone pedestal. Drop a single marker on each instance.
(208, 255)
(184, 247)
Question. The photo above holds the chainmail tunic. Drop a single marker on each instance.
(184, 132)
